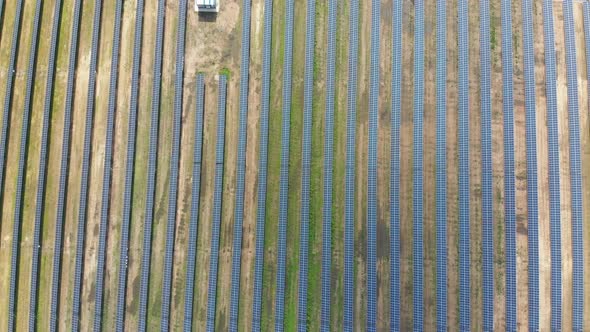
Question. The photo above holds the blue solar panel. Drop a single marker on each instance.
(553, 154)
(353, 54)
(372, 169)
(531, 155)
(262, 167)
(509, 185)
(575, 169)
(487, 190)
(284, 181)
(464, 168)
(241, 167)
(587, 36)
(129, 169)
(217, 202)
(83, 207)
(418, 166)
(63, 175)
(441, 165)
(328, 167)
(41, 182)
(151, 170)
(394, 200)
(306, 165)
(1, 14)
(195, 203)
(174, 165)
(107, 171)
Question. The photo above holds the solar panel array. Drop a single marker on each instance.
(11, 73)
(1, 14)
(39, 200)
(262, 167)
(509, 178)
(129, 169)
(284, 181)
(372, 169)
(22, 163)
(396, 96)
(487, 186)
(531, 155)
(464, 165)
(326, 278)
(217, 202)
(306, 166)
(577, 216)
(64, 171)
(441, 165)
(553, 154)
(151, 171)
(85, 178)
(195, 203)
(353, 54)
(108, 170)
(174, 164)
(394, 193)
(241, 167)
(418, 166)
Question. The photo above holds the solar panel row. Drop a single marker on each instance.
(107, 170)
(553, 154)
(64, 171)
(195, 204)
(394, 193)
(284, 181)
(151, 171)
(577, 213)
(353, 54)
(174, 164)
(241, 167)
(586, 15)
(262, 167)
(531, 155)
(85, 178)
(129, 168)
(328, 168)
(509, 178)
(372, 168)
(441, 165)
(418, 167)
(464, 166)
(43, 153)
(306, 166)
(487, 190)
(217, 202)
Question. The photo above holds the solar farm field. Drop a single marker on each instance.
(451, 166)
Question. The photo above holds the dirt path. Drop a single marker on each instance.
(5, 226)
(12, 158)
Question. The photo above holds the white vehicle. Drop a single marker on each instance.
(207, 6)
